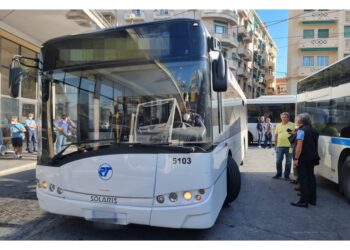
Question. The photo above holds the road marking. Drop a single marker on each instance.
(22, 168)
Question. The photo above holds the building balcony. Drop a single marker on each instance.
(243, 13)
(263, 83)
(306, 71)
(263, 55)
(271, 64)
(162, 14)
(135, 16)
(319, 43)
(228, 15)
(245, 53)
(232, 64)
(318, 17)
(226, 39)
(242, 72)
(246, 36)
(270, 77)
(271, 51)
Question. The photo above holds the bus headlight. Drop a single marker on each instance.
(182, 198)
(187, 195)
(44, 184)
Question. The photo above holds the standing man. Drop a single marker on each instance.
(282, 146)
(260, 127)
(305, 159)
(32, 134)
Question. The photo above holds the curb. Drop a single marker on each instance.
(22, 168)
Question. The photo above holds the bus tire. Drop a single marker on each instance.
(250, 138)
(233, 181)
(345, 178)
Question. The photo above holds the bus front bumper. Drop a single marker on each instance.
(200, 215)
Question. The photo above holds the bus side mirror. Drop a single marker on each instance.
(220, 74)
(17, 72)
(15, 79)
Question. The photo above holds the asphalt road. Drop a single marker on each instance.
(261, 212)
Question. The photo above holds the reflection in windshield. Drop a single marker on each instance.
(149, 103)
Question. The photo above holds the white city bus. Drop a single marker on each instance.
(325, 95)
(160, 125)
(269, 107)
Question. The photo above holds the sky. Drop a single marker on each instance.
(279, 33)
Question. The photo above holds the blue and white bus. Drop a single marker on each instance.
(160, 125)
(325, 95)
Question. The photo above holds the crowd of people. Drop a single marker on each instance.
(297, 143)
(27, 133)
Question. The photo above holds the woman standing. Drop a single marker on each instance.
(268, 133)
(17, 133)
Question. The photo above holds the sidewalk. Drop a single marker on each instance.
(10, 165)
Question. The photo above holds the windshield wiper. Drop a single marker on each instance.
(167, 145)
(81, 146)
(56, 157)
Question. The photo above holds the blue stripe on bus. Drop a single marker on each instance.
(340, 141)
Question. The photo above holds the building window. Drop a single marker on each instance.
(136, 12)
(220, 28)
(322, 60)
(308, 61)
(308, 34)
(8, 49)
(163, 12)
(346, 31)
(323, 33)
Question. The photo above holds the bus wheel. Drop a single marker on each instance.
(250, 138)
(345, 179)
(233, 180)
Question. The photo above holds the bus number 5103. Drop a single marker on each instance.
(181, 161)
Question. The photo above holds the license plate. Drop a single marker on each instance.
(103, 199)
(104, 216)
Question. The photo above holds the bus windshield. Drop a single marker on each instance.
(152, 103)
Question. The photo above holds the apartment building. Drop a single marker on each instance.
(316, 38)
(264, 60)
(246, 44)
(281, 86)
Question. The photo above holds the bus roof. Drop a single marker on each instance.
(123, 27)
(273, 99)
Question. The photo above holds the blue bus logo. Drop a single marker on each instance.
(105, 171)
